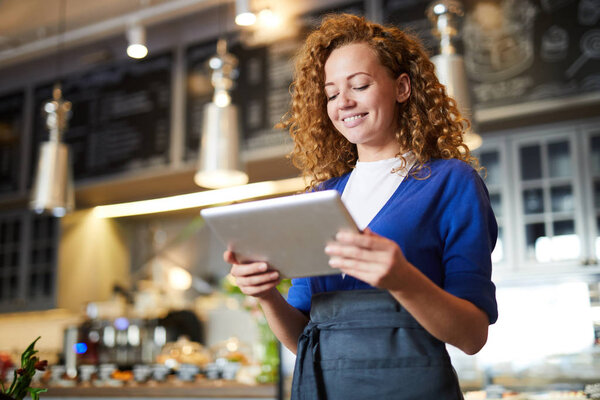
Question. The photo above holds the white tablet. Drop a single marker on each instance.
(290, 232)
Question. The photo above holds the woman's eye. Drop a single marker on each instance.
(332, 97)
(362, 87)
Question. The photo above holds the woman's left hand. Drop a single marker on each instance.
(369, 257)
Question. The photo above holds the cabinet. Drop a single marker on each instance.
(544, 185)
(591, 160)
(28, 251)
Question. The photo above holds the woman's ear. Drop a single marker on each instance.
(402, 88)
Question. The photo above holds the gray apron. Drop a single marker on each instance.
(361, 344)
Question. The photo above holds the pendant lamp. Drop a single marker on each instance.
(53, 191)
(219, 161)
(449, 65)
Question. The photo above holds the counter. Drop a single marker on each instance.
(201, 389)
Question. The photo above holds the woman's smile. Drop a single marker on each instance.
(354, 120)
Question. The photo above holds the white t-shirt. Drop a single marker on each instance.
(370, 186)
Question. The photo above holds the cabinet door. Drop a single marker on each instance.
(492, 157)
(591, 159)
(28, 259)
(548, 198)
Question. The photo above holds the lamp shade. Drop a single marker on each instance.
(450, 70)
(53, 190)
(219, 161)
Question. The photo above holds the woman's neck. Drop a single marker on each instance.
(368, 154)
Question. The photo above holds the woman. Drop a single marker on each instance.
(370, 119)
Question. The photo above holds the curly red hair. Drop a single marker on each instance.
(430, 124)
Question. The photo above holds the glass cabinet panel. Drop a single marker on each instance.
(561, 198)
(531, 162)
(493, 176)
(491, 161)
(559, 159)
(10, 231)
(547, 192)
(28, 257)
(595, 154)
(533, 201)
(594, 146)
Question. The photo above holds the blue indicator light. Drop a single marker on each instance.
(80, 348)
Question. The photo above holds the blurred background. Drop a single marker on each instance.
(121, 119)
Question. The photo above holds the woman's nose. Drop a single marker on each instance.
(345, 100)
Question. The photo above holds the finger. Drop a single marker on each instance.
(367, 240)
(257, 290)
(257, 280)
(238, 270)
(348, 265)
(363, 271)
(338, 249)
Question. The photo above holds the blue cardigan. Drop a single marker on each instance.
(445, 226)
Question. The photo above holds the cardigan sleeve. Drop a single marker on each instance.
(469, 231)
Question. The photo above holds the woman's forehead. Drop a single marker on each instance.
(350, 60)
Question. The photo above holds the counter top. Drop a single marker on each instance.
(201, 389)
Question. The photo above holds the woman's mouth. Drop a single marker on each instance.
(353, 120)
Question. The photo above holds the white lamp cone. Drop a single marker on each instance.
(219, 161)
(53, 190)
(450, 70)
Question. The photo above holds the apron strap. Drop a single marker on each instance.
(307, 373)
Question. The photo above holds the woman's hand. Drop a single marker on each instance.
(380, 262)
(254, 279)
(369, 257)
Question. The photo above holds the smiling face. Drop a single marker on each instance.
(362, 100)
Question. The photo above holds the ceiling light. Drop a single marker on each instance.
(136, 38)
(243, 15)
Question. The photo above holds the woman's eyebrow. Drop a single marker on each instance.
(349, 77)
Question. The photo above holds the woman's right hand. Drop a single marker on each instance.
(255, 278)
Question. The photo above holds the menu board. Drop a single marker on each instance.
(519, 51)
(120, 118)
(11, 134)
(261, 92)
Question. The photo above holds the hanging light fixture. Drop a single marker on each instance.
(136, 39)
(243, 15)
(53, 190)
(450, 66)
(219, 161)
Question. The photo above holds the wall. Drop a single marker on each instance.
(93, 257)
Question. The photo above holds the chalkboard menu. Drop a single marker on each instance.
(262, 88)
(11, 134)
(519, 51)
(120, 119)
